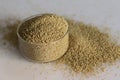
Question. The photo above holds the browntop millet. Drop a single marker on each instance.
(44, 28)
(88, 48)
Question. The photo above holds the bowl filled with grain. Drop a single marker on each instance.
(43, 37)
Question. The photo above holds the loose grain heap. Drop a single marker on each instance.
(44, 28)
(88, 48)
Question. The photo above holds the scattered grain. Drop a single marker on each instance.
(88, 48)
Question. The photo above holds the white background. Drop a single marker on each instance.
(99, 12)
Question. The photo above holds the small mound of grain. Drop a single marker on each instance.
(43, 29)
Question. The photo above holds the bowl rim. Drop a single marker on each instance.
(37, 43)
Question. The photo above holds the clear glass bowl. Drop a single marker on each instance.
(43, 52)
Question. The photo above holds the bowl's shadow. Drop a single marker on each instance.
(8, 37)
